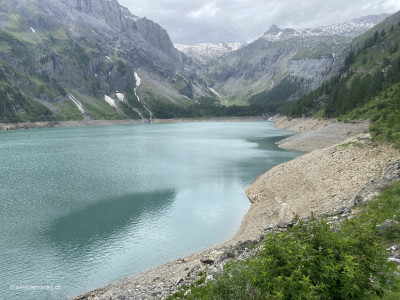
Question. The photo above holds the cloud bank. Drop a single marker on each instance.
(192, 22)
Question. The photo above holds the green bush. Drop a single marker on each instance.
(314, 262)
(310, 261)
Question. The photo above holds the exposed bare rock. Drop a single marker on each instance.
(376, 186)
(207, 260)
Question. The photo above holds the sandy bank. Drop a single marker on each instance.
(322, 181)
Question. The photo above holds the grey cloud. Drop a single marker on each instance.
(191, 22)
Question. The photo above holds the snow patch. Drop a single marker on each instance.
(110, 101)
(77, 103)
(137, 79)
(215, 92)
(108, 57)
(33, 30)
(121, 97)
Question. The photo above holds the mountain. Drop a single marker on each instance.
(84, 59)
(306, 55)
(350, 29)
(204, 53)
(367, 85)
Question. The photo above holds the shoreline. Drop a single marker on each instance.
(323, 181)
(83, 123)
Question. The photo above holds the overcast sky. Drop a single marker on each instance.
(198, 21)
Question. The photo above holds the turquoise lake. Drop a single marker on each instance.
(82, 207)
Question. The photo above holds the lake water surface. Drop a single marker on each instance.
(82, 207)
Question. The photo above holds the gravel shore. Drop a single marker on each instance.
(89, 122)
(323, 181)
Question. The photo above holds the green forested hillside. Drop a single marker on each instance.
(15, 106)
(368, 85)
(271, 100)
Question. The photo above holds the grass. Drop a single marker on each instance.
(384, 207)
(69, 111)
(98, 109)
(355, 144)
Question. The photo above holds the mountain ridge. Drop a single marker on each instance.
(313, 55)
(94, 52)
(352, 28)
(90, 49)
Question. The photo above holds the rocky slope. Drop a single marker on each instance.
(89, 49)
(311, 55)
(84, 60)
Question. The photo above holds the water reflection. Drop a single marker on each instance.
(99, 222)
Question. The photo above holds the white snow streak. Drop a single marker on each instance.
(110, 101)
(140, 114)
(77, 103)
(33, 30)
(108, 57)
(215, 92)
(121, 97)
(137, 79)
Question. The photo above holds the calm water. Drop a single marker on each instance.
(82, 207)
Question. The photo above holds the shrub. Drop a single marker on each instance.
(314, 262)
(310, 261)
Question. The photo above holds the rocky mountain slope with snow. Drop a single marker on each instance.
(205, 52)
(83, 60)
(91, 50)
(310, 55)
(350, 29)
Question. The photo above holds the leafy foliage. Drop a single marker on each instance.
(311, 261)
(385, 207)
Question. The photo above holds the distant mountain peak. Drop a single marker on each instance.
(351, 28)
(206, 51)
(273, 29)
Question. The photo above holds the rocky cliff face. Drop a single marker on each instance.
(89, 48)
(115, 29)
(312, 54)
